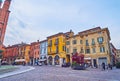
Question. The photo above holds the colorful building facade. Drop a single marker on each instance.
(23, 53)
(93, 43)
(113, 56)
(43, 52)
(18, 54)
(118, 55)
(34, 52)
(10, 54)
(57, 48)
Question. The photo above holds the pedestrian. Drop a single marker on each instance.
(110, 66)
(103, 66)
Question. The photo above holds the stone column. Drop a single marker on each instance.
(53, 63)
(47, 61)
(61, 61)
(33, 61)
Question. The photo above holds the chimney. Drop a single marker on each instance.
(37, 40)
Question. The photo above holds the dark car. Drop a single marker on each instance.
(66, 65)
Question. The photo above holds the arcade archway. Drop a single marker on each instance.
(57, 60)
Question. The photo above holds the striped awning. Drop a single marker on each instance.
(42, 59)
(88, 58)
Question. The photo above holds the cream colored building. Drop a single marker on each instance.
(93, 43)
(118, 55)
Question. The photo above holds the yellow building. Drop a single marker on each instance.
(93, 43)
(27, 53)
(57, 48)
(23, 53)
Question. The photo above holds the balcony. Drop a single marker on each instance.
(57, 52)
(87, 44)
(100, 42)
(56, 43)
(93, 43)
(51, 53)
(50, 44)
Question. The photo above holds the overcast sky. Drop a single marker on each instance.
(32, 20)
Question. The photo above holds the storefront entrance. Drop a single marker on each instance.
(95, 63)
(67, 58)
(50, 59)
(101, 60)
(57, 60)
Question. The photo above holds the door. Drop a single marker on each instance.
(94, 63)
(101, 60)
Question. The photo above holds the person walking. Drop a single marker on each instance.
(110, 66)
(103, 66)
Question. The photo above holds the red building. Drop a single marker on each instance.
(113, 55)
(4, 14)
(10, 53)
(18, 53)
(34, 52)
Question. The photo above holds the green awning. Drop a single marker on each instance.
(0, 1)
(1, 51)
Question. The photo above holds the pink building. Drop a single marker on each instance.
(34, 52)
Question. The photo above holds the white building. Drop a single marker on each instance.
(43, 52)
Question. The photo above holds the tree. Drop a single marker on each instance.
(78, 58)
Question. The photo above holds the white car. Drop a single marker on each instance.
(40, 64)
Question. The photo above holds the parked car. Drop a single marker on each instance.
(66, 65)
(4, 63)
(40, 64)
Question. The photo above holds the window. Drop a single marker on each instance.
(44, 50)
(67, 50)
(93, 50)
(102, 49)
(100, 40)
(50, 43)
(38, 52)
(68, 43)
(50, 49)
(87, 44)
(81, 42)
(57, 41)
(74, 50)
(81, 50)
(63, 48)
(56, 49)
(93, 42)
(74, 42)
(87, 50)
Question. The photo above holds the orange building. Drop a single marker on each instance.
(34, 52)
(4, 14)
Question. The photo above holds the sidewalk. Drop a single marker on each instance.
(21, 69)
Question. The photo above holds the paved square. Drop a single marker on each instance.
(52, 73)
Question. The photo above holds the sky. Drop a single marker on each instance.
(32, 20)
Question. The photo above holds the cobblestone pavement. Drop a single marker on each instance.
(52, 73)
